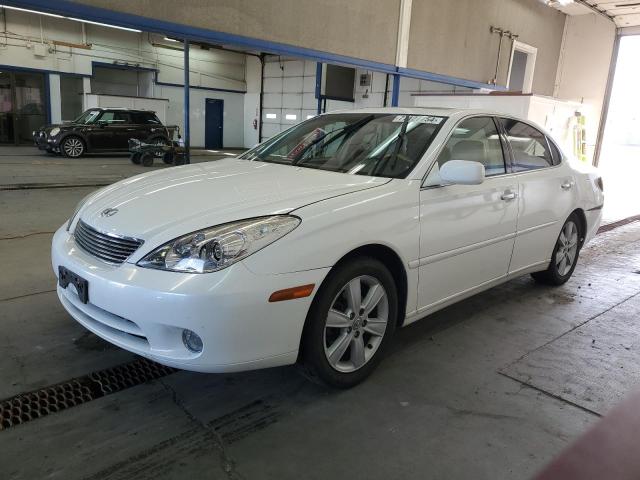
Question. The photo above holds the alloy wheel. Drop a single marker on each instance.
(73, 147)
(356, 324)
(567, 247)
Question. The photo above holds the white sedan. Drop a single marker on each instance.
(316, 245)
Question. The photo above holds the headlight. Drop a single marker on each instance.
(54, 131)
(215, 248)
(78, 208)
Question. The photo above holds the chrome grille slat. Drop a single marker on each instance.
(110, 247)
(107, 247)
(119, 241)
(100, 253)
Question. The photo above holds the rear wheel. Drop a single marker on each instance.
(146, 159)
(72, 147)
(135, 158)
(565, 254)
(350, 323)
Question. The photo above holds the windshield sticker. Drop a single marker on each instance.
(420, 119)
(309, 139)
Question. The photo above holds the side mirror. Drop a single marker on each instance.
(462, 172)
(102, 123)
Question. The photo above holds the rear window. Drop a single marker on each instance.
(555, 152)
(529, 145)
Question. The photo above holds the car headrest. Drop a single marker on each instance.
(468, 150)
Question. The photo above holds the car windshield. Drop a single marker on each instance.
(381, 145)
(87, 117)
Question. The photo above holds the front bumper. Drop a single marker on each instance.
(45, 142)
(145, 311)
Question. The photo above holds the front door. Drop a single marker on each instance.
(213, 124)
(466, 231)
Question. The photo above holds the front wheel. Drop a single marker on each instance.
(72, 147)
(350, 323)
(565, 254)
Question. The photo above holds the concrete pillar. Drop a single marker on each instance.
(187, 130)
(86, 89)
(319, 86)
(55, 99)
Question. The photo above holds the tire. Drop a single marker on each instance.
(345, 353)
(146, 159)
(168, 158)
(72, 147)
(135, 158)
(565, 254)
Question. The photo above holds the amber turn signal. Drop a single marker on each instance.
(292, 293)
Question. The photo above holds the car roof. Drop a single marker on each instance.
(137, 110)
(454, 114)
(435, 111)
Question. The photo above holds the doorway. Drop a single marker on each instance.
(22, 106)
(213, 121)
(618, 159)
(521, 67)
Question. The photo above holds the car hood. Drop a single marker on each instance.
(47, 128)
(164, 204)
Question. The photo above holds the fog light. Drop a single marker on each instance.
(192, 341)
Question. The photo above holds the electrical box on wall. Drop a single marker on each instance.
(40, 50)
(365, 79)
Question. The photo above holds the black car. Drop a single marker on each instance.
(102, 130)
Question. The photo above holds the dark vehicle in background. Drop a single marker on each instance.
(103, 130)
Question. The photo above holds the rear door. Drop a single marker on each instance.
(123, 129)
(546, 193)
(466, 231)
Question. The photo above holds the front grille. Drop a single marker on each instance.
(109, 248)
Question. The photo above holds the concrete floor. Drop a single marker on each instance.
(491, 388)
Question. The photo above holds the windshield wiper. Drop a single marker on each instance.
(341, 132)
(402, 138)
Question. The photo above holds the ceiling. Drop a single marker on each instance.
(626, 13)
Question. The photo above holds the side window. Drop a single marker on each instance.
(529, 145)
(106, 117)
(146, 118)
(476, 139)
(121, 117)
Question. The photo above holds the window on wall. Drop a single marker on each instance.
(529, 145)
(476, 139)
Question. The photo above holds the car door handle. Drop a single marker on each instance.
(566, 185)
(509, 195)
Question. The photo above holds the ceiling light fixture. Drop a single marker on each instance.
(70, 18)
(104, 25)
(31, 11)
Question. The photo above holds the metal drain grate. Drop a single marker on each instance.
(619, 223)
(28, 406)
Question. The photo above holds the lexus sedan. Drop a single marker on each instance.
(316, 245)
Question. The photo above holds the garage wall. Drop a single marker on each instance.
(584, 67)
(233, 116)
(364, 29)
(209, 69)
(453, 38)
